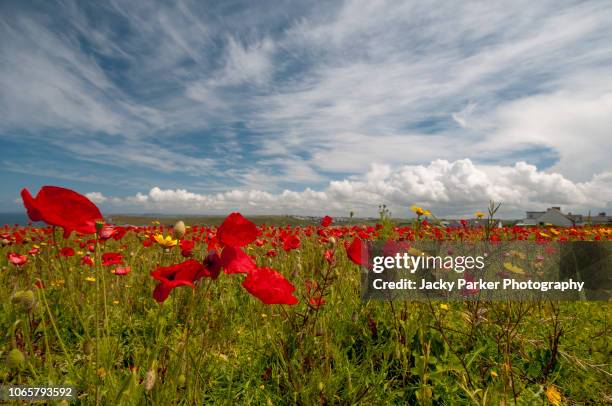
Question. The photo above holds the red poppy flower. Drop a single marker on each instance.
(212, 265)
(269, 286)
(391, 248)
(66, 252)
(64, 208)
(236, 231)
(326, 221)
(112, 258)
(313, 291)
(86, 260)
(16, 259)
(119, 233)
(187, 247)
(122, 270)
(106, 232)
(235, 260)
(357, 252)
(316, 301)
(34, 251)
(329, 256)
(291, 242)
(170, 277)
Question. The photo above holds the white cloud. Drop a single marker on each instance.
(577, 124)
(249, 64)
(310, 91)
(455, 188)
(96, 197)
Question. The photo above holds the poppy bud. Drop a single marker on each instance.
(24, 299)
(15, 359)
(181, 380)
(5, 241)
(179, 229)
(88, 346)
(99, 225)
(150, 377)
(332, 240)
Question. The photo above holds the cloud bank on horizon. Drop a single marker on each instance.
(309, 108)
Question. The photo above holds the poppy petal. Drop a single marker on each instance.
(236, 231)
(235, 260)
(62, 207)
(30, 205)
(161, 292)
(270, 287)
(357, 252)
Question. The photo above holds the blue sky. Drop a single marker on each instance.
(299, 107)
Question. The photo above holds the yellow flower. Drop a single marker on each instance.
(418, 210)
(90, 279)
(553, 396)
(444, 306)
(167, 242)
(155, 222)
(494, 374)
(513, 268)
(415, 252)
(479, 214)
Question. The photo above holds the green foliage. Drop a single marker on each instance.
(219, 345)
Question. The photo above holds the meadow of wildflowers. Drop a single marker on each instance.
(246, 314)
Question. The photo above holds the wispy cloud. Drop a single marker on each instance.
(296, 96)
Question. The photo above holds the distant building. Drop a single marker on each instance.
(555, 217)
(601, 218)
(473, 223)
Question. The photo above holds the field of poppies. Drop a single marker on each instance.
(260, 314)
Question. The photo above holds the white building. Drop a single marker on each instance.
(555, 217)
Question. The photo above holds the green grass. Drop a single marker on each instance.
(219, 345)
